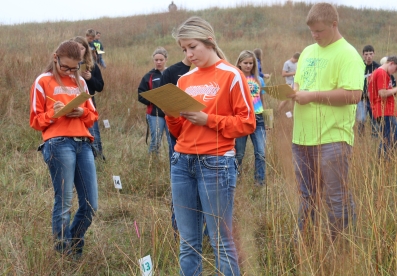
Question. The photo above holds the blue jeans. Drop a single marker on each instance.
(204, 184)
(97, 144)
(157, 126)
(101, 61)
(323, 170)
(258, 138)
(364, 108)
(388, 128)
(71, 162)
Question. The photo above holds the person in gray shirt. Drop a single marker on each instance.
(288, 73)
(289, 69)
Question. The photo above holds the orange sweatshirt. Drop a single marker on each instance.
(225, 92)
(41, 108)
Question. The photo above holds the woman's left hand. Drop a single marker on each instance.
(76, 113)
(196, 118)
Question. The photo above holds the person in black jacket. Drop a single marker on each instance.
(154, 115)
(93, 77)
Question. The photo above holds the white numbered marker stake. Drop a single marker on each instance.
(117, 182)
(146, 266)
(106, 123)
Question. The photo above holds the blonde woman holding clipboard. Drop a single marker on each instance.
(203, 166)
(67, 146)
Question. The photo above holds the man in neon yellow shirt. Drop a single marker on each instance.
(328, 85)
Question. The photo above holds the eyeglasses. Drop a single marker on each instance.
(67, 68)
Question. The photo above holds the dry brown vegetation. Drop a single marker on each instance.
(264, 219)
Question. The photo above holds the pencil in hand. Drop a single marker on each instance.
(51, 99)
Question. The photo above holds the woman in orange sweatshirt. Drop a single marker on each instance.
(67, 145)
(203, 167)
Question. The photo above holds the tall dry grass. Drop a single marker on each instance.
(265, 219)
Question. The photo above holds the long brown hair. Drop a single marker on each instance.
(87, 58)
(69, 49)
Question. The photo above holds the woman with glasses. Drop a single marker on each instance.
(203, 166)
(67, 145)
(93, 77)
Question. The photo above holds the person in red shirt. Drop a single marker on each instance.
(67, 145)
(203, 166)
(381, 96)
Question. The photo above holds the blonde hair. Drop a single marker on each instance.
(322, 12)
(197, 28)
(87, 58)
(161, 51)
(69, 49)
(254, 71)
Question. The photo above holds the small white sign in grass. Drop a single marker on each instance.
(117, 182)
(106, 123)
(146, 266)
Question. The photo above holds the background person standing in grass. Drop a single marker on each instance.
(381, 94)
(203, 166)
(99, 48)
(246, 62)
(288, 72)
(364, 106)
(154, 115)
(258, 54)
(67, 145)
(93, 77)
(90, 36)
(328, 84)
(289, 69)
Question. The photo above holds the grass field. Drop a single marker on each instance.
(264, 220)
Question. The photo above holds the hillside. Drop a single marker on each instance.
(265, 219)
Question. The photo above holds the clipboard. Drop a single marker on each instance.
(279, 92)
(73, 104)
(172, 100)
(83, 67)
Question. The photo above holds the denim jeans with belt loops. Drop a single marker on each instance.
(388, 129)
(204, 184)
(71, 163)
(324, 169)
(97, 144)
(157, 126)
(258, 138)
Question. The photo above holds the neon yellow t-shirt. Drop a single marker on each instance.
(322, 69)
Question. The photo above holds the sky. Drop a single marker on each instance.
(23, 11)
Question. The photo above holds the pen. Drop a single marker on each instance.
(51, 99)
